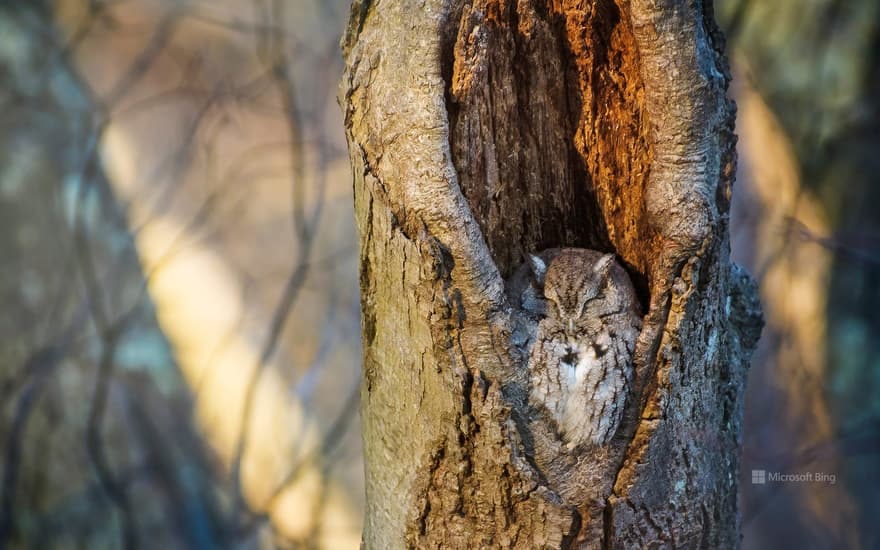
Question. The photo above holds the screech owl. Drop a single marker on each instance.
(580, 362)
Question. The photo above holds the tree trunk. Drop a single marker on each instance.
(483, 130)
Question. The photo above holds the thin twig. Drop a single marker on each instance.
(41, 363)
(272, 49)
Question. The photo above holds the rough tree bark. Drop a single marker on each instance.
(479, 130)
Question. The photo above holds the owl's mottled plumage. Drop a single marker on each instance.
(580, 362)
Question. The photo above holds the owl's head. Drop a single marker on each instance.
(571, 280)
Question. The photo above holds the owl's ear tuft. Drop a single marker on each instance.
(602, 267)
(537, 268)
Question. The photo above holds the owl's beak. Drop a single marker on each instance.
(571, 326)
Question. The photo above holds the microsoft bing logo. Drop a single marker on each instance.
(762, 477)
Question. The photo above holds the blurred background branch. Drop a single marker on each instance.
(804, 221)
(172, 408)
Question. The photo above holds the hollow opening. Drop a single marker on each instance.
(547, 130)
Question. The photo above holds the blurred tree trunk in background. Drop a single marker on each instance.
(814, 400)
(109, 436)
(482, 130)
(93, 449)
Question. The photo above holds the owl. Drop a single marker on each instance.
(580, 363)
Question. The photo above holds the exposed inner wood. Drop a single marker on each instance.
(548, 130)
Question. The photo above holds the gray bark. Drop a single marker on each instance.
(481, 130)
